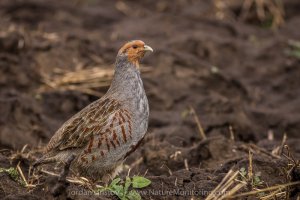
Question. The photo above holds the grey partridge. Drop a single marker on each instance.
(105, 132)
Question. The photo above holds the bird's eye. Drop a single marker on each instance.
(134, 46)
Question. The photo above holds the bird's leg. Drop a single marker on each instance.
(62, 183)
(66, 169)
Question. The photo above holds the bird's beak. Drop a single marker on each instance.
(147, 48)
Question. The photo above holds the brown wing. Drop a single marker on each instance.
(117, 131)
(76, 132)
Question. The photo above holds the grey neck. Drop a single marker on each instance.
(127, 81)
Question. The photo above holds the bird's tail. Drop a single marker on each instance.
(44, 160)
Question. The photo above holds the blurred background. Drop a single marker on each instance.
(227, 69)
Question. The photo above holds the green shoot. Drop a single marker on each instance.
(125, 190)
(13, 173)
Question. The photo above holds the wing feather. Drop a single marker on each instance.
(93, 119)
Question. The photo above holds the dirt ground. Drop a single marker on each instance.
(238, 74)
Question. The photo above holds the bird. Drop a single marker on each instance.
(104, 133)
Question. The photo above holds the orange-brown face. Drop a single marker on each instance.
(135, 50)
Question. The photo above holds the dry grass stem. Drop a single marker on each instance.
(23, 177)
(270, 135)
(186, 164)
(221, 191)
(199, 125)
(264, 190)
(277, 194)
(137, 162)
(250, 168)
(231, 133)
(76, 180)
(255, 149)
(278, 150)
(175, 155)
(169, 170)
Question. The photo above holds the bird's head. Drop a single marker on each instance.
(134, 51)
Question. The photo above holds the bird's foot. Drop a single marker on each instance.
(62, 183)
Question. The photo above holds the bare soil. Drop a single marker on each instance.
(232, 73)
